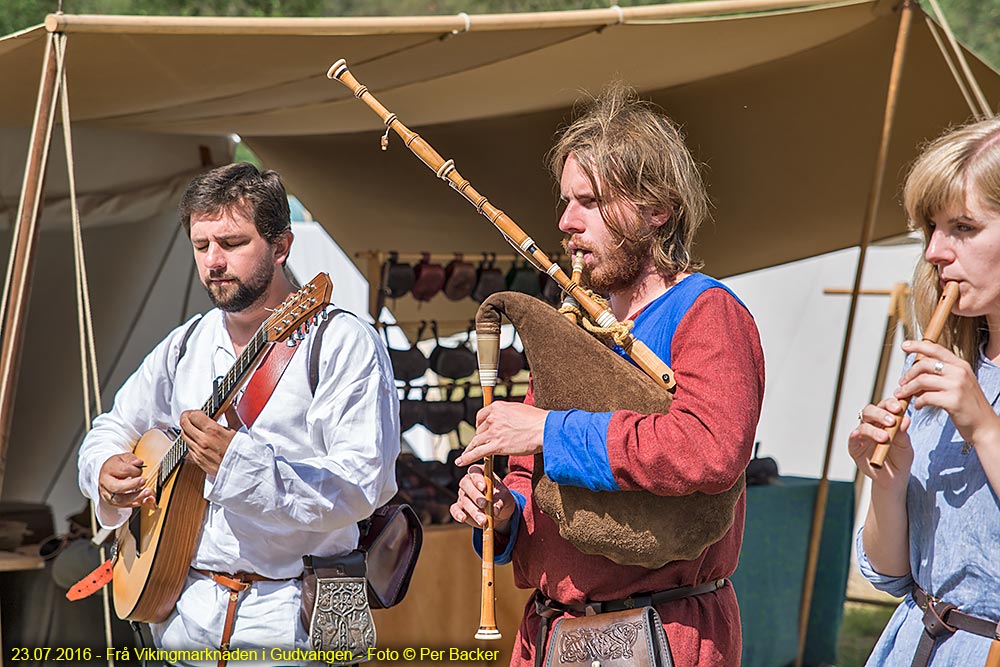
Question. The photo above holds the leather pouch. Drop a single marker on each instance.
(459, 278)
(392, 537)
(408, 364)
(398, 277)
(630, 638)
(428, 278)
(489, 280)
(411, 411)
(335, 606)
(522, 278)
(455, 363)
(510, 362)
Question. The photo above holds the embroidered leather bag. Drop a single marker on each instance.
(630, 638)
(335, 607)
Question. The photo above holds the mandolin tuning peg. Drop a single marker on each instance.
(291, 342)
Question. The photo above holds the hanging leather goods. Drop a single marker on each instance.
(428, 278)
(399, 277)
(408, 364)
(455, 363)
(459, 278)
(489, 279)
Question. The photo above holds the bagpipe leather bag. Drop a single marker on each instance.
(573, 370)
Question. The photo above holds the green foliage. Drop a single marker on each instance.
(860, 629)
(974, 23)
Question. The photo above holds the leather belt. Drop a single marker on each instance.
(236, 583)
(942, 619)
(547, 608)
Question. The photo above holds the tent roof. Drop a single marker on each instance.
(783, 101)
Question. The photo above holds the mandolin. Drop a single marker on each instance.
(153, 549)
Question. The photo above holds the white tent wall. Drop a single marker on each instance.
(129, 184)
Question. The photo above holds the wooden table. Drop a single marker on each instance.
(25, 558)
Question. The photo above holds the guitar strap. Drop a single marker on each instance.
(255, 396)
(262, 383)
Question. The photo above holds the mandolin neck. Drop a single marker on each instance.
(222, 396)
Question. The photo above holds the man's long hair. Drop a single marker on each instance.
(950, 168)
(633, 154)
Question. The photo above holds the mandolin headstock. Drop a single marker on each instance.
(299, 311)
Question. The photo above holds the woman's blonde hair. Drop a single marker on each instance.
(633, 153)
(963, 160)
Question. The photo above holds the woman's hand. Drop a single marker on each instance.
(472, 501)
(943, 380)
(873, 430)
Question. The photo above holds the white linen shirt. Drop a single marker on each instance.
(296, 483)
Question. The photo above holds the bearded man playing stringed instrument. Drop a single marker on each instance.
(633, 202)
(287, 479)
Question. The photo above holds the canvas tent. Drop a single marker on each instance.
(783, 101)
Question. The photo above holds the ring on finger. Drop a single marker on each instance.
(861, 414)
(112, 496)
(938, 367)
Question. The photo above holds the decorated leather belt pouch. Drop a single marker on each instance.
(630, 638)
(335, 607)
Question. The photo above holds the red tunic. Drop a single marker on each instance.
(702, 444)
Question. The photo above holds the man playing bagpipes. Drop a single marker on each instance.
(633, 202)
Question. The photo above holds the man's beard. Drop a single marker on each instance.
(617, 267)
(239, 295)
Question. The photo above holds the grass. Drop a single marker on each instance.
(860, 629)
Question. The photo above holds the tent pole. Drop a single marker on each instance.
(874, 195)
(15, 298)
(17, 286)
(896, 314)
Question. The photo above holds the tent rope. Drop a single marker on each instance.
(113, 366)
(85, 320)
(959, 79)
(982, 109)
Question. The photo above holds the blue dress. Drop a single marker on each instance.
(954, 518)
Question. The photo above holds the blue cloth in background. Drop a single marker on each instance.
(769, 578)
